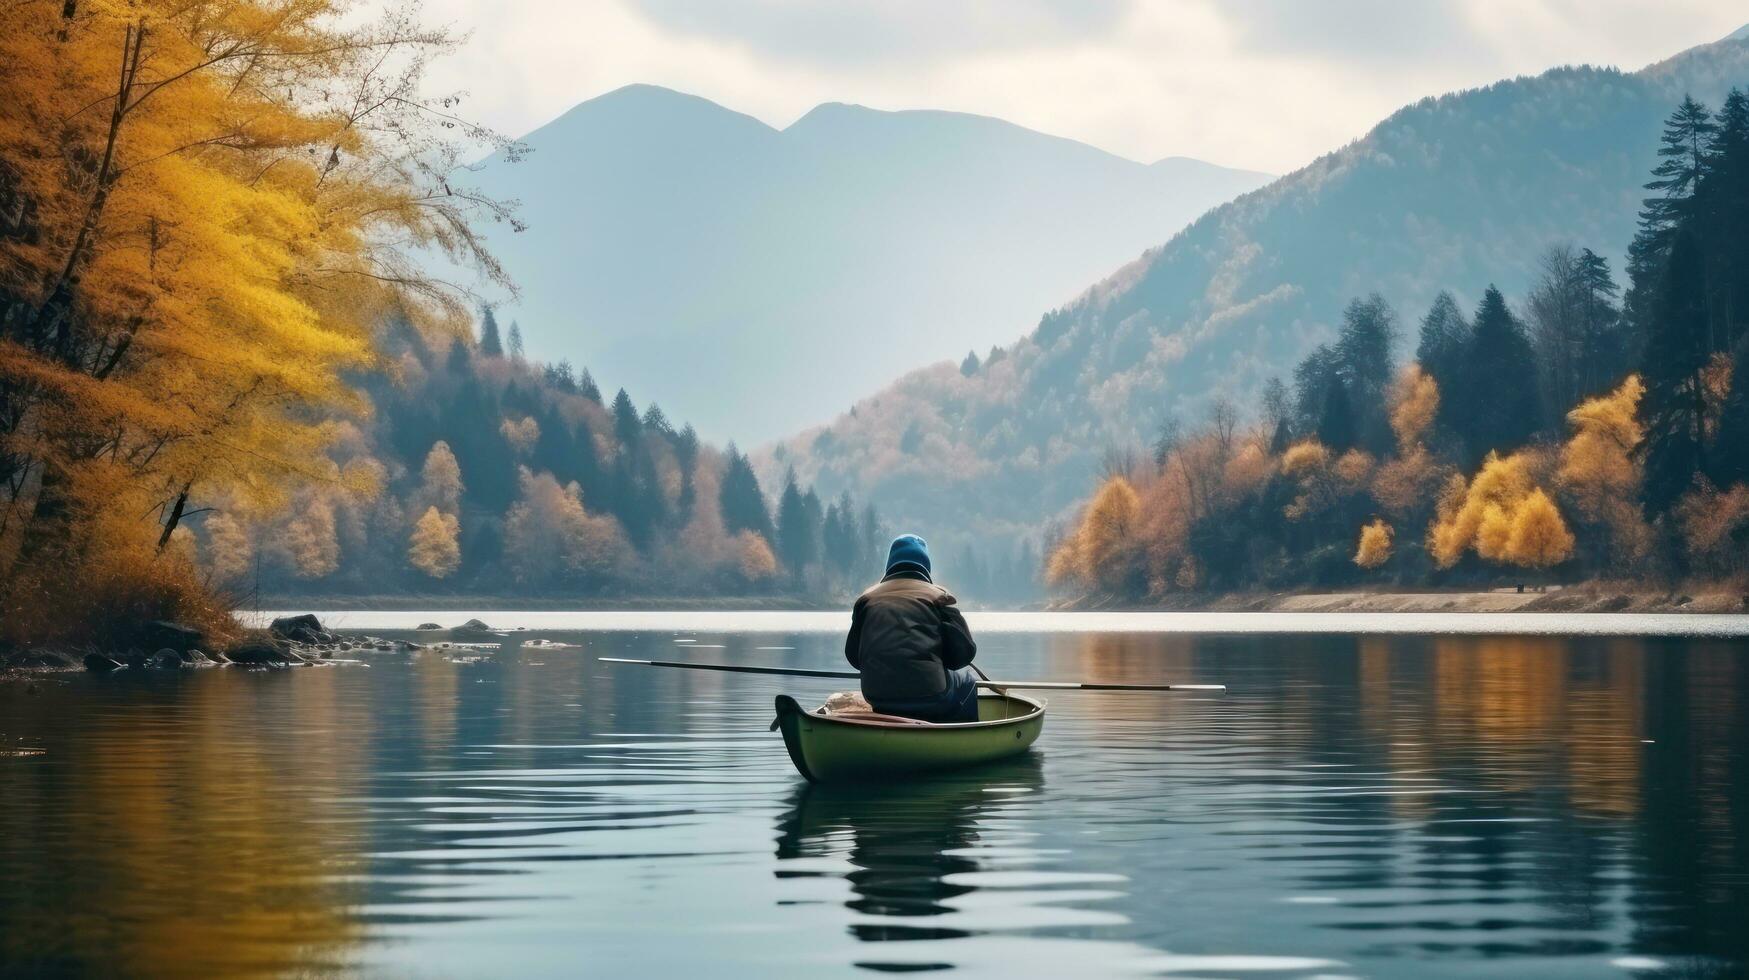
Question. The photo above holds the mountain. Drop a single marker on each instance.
(759, 279)
(1450, 193)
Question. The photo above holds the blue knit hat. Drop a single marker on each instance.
(908, 549)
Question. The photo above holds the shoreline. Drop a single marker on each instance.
(511, 603)
(1588, 598)
(1591, 597)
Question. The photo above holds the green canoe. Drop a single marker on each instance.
(830, 747)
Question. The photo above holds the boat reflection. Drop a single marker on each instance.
(909, 848)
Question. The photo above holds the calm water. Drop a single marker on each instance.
(1358, 805)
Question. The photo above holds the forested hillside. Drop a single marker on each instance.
(760, 279)
(480, 473)
(1605, 435)
(1452, 193)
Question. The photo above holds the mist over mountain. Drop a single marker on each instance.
(757, 280)
(1455, 192)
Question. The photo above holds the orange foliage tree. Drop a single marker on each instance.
(1102, 551)
(1375, 545)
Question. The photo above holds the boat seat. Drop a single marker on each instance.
(871, 716)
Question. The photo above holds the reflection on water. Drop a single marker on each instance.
(910, 848)
(1357, 805)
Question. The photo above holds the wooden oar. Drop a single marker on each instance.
(852, 675)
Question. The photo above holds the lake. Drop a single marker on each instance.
(1375, 796)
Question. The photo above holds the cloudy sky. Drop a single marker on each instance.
(1264, 84)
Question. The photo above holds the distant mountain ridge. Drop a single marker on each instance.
(758, 279)
(1452, 193)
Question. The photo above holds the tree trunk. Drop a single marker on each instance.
(175, 516)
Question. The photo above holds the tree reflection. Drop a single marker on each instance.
(176, 837)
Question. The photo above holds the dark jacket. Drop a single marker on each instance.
(905, 635)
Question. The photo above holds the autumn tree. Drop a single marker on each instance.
(550, 537)
(1539, 537)
(230, 554)
(441, 479)
(1600, 471)
(434, 547)
(1374, 548)
(227, 196)
(1102, 551)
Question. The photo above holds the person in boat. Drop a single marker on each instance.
(911, 644)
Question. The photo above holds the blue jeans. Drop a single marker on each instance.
(958, 703)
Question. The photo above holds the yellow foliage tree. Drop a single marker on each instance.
(1597, 463)
(1375, 545)
(1502, 515)
(311, 542)
(1600, 472)
(1414, 401)
(222, 200)
(440, 483)
(434, 547)
(522, 435)
(1324, 479)
(1539, 537)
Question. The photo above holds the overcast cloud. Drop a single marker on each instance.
(1264, 84)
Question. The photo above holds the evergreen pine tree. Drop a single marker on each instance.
(1336, 425)
(742, 502)
(631, 503)
(1727, 217)
(1445, 333)
(1674, 406)
(795, 532)
(516, 351)
(969, 366)
(686, 456)
(627, 427)
(490, 343)
(1685, 154)
(559, 376)
(1603, 357)
(1496, 396)
(832, 540)
(459, 361)
(1730, 455)
(874, 538)
(1365, 365)
(586, 387)
(1313, 378)
(656, 421)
